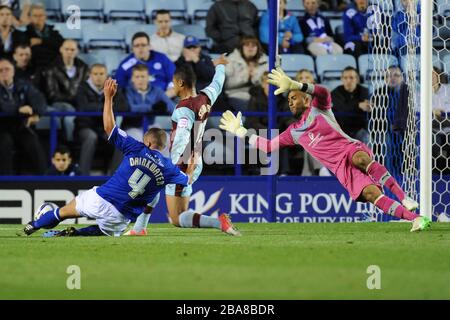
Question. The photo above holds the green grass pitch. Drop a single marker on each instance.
(270, 261)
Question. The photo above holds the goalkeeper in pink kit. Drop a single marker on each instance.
(318, 132)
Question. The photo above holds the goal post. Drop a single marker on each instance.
(426, 113)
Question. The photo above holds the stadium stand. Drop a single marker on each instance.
(116, 10)
(291, 63)
(102, 35)
(177, 9)
(366, 64)
(330, 66)
(90, 9)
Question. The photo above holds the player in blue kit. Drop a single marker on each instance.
(188, 126)
(143, 173)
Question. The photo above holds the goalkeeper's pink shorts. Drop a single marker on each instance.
(353, 179)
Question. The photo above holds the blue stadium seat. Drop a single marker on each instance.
(90, 58)
(193, 30)
(110, 58)
(103, 35)
(403, 62)
(125, 10)
(331, 66)
(292, 63)
(335, 23)
(177, 8)
(67, 33)
(90, 9)
(296, 7)
(132, 29)
(375, 65)
(331, 84)
(443, 7)
(198, 9)
(260, 4)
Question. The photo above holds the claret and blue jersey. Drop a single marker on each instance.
(142, 174)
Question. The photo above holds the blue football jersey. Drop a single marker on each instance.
(142, 174)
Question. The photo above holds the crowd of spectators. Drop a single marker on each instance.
(40, 71)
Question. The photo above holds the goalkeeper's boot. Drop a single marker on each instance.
(133, 232)
(421, 223)
(227, 226)
(69, 232)
(410, 204)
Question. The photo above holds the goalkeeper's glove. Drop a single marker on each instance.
(233, 124)
(278, 78)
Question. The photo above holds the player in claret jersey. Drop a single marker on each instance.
(189, 121)
(318, 132)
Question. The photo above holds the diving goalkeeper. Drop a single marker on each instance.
(318, 132)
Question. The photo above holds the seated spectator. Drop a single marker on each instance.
(20, 99)
(65, 76)
(20, 12)
(245, 68)
(62, 81)
(89, 130)
(311, 166)
(441, 122)
(356, 32)
(290, 36)
(352, 99)
(317, 30)
(9, 37)
(161, 69)
(142, 97)
(44, 39)
(392, 100)
(62, 163)
(229, 20)
(401, 28)
(165, 39)
(24, 69)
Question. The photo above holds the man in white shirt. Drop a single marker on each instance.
(165, 40)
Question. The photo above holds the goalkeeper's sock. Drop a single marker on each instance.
(49, 219)
(141, 222)
(394, 208)
(380, 174)
(190, 219)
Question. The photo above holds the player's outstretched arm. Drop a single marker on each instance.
(109, 90)
(278, 78)
(233, 124)
(215, 87)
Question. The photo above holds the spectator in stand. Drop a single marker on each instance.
(356, 31)
(401, 28)
(311, 166)
(352, 99)
(20, 99)
(62, 163)
(161, 69)
(145, 98)
(441, 122)
(290, 35)
(317, 30)
(44, 39)
(22, 63)
(228, 21)
(245, 69)
(89, 130)
(392, 99)
(20, 13)
(9, 36)
(165, 39)
(62, 81)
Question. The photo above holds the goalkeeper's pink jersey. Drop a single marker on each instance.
(317, 132)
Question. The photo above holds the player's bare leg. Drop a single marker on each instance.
(52, 218)
(182, 217)
(364, 162)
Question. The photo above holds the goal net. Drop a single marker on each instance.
(393, 77)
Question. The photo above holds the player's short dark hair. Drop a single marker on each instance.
(6, 7)
(159, 135)
(140, 67)
(140, 34)
(62, 149)
(162, 11)
(186, 73)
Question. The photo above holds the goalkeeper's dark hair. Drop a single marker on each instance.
(159, 137)
(186, 73)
